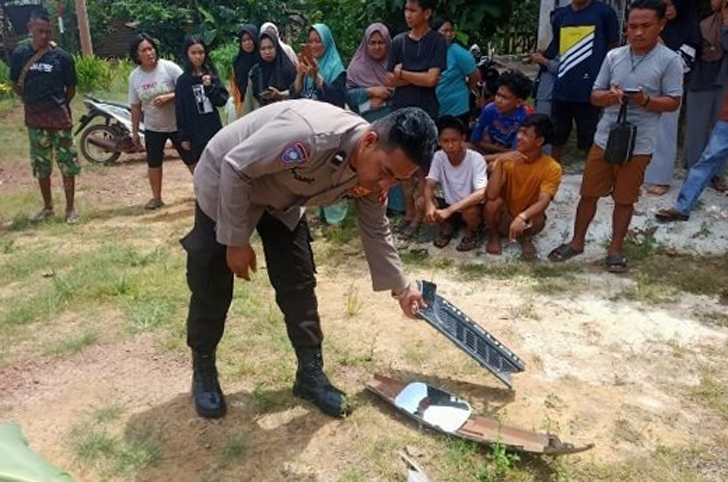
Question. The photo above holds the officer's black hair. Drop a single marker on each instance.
(542, 125)
(411, 130)
(450, 122)
(517, 82)
(659, 7)
(134, 46)
(39, 14)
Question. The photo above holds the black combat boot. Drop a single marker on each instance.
(206, 392)
(312, 384)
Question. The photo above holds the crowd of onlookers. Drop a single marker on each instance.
(499, 160)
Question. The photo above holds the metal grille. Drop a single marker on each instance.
(469, 336)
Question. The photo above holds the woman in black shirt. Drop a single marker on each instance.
(197, 96)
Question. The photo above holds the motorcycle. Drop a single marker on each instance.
(104, 143)
(489, 69)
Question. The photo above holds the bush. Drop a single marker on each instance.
(93, 73)
(122, 69)
(223, 58)
(4, 72)
(6, 89)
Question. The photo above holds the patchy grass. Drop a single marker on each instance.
(712, 391)
(235, 448)
(686, 273)
(624, 431)
(713, 318)
(354, 304)
(74, 344)
(95, 446)
(107, 414)
(681, 464)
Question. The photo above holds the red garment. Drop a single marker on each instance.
(724, 111)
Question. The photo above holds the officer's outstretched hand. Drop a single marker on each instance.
(412, 302)
(240, 259)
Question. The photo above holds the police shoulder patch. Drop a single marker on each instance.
(295, 153)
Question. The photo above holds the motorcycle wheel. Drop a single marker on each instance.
(95, 153)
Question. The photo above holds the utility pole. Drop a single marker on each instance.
(84, 31)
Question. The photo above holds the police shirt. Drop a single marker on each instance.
(281, 158)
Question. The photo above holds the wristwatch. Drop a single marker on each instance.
(401, 294)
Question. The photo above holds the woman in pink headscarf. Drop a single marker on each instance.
(366, 92)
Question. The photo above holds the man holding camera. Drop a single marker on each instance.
(649, 77)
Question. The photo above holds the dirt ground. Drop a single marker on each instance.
(600, 368)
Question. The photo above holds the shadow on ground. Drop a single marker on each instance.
(236, 447)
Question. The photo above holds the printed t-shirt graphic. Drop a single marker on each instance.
(577, 46)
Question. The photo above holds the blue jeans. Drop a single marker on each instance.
(710, 164)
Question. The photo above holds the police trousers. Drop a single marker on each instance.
(291, 270)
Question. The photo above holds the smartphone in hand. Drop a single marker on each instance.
(307, 53)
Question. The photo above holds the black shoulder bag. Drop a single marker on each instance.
(621, 141)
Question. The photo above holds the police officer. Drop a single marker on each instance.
(258, 174)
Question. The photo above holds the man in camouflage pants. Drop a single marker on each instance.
(45, 77)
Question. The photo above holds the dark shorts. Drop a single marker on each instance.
(155, 143)
(456, 220)
(623, 182)
(584, 114)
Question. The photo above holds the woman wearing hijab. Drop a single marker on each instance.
(705, 92)
(323, 77)
(681, 34)
(367, 93)
(243, 64)
(271, 79)
(269, 27)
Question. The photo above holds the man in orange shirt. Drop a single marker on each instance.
(521, 186)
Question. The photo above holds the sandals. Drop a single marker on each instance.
(468, 243)
(616, 264)
(72, 218)
(442, 240)
(409, 232)
(657, 190)
(563, 253)
(42, 215)
(670, 215)
(153, 204)
(719, 184)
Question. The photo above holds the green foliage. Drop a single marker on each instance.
(4, 72)
(6, 90)
(94, 73)
(223, 57)
(219, 21)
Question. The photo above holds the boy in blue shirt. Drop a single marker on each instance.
(497, 127)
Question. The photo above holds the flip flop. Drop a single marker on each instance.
(657, 190)
(409, 232)
(442, 240)
(617, 264)
(466, 244)
(563, 253)
(719, 184)
(670, 215)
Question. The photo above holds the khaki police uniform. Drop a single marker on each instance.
(259, 173)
